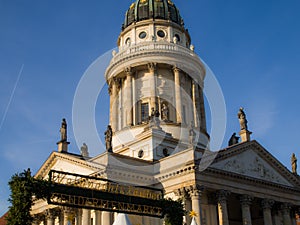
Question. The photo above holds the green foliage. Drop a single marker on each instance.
(23, 186)
(173, 211)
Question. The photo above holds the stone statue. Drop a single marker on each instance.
(164, 112)
(192, 133)
(84, 150)
(242, 119)
(63, 130)
(108, 138)
(156, 113)
(233, 140)
(294, 163)
(175, 40)
(152, 113)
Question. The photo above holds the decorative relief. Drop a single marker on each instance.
(250, 164)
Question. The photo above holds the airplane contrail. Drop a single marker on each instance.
(11, 97)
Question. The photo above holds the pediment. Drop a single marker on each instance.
(67, 163)
(255, 162)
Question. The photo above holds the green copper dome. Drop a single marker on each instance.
(152, 9)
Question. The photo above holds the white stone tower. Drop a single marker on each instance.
(155, 84)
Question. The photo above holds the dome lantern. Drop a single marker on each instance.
(152, 9)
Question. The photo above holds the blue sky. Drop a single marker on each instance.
(252, 46)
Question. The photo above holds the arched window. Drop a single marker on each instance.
(143, 10)
(159, 9)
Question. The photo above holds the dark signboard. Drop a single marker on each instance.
(89, 192)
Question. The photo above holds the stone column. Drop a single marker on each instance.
(66, 216)
(196, 104)
(196, 193)
(187, 203)
(79, 217)
(128, 96)
(202, 110)
(178, 95)
(86, 217)
(106, 218)
(97, 217)
(222, 207)
(114, 104)
(267, 206)
(277, 218)
(286, 213)
(152, 80)
(294, 221)
(51, 215)
(246, 213)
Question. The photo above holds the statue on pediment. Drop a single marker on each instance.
(242, 119)
(233, 140)
(108, 138)
(84, 150)
(63, 130)
(294, 163)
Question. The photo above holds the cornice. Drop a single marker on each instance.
(255, 182)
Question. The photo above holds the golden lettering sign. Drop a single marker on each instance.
(98, 184)
(106, 205)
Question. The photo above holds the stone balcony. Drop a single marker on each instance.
(163, 52)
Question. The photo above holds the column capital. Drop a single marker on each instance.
(267, 203)
(118, 82)
(222, 196)
(182, 193)
(195, 190)
(38, 218)
(128, 71)
(52, 213)
(246, 200)
(151, 66)
(176, 69)
(285, 208)
(109, 89)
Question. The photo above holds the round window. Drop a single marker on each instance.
(141, 154)
(142, 35)
(161, 33)
(127, 42)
